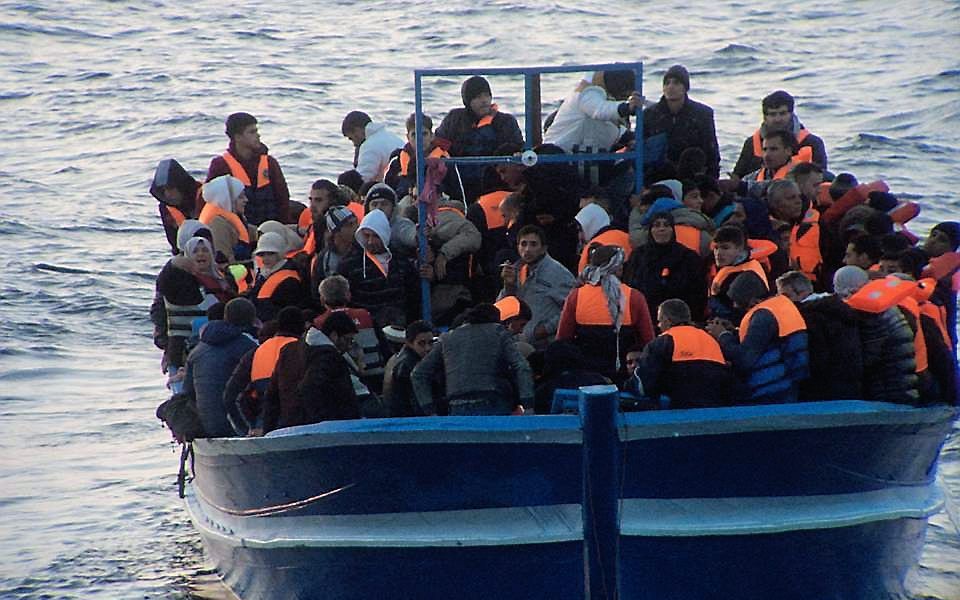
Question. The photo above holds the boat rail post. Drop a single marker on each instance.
(599, 414)
(421, 207)
(533, 121)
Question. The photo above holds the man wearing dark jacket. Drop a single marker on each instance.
(478, 129)
(179, 196)
(246, 159)
(686, 123)
(326, 392)
(209, 365)
(833, 339)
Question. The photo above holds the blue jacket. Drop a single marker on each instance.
(209, 366)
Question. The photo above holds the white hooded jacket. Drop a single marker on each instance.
(377, 222)
(374, 156)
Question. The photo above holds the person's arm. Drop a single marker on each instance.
(744, 162)
(232, 394)
(642, 323)
(568, 317)
(519, 370)
(422, 379)
(281, 193)
(744, 355)
(367, 162)
(593, 103)
(711, 145)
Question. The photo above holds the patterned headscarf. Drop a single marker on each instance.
(610, 259)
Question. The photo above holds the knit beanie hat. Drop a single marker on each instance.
(678, 72)
(848, 280)
(240, 312)
(380, 191)
(473, 87)
(237, 122)
(337, 216)
(951, 229)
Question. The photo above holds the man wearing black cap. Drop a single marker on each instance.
(246, 159)
(478, 129)
(686, 123)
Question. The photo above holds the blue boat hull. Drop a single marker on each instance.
(825, 500)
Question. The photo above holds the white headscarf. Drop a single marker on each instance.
(187, 230)
(191, 248)
(592, 218)
(223, 192)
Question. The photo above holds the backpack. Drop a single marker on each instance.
(181, 416)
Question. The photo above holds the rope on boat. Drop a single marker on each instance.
(271, 510)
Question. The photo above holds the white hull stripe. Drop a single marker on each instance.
(562, 523)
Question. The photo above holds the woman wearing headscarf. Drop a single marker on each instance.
(189, 284)
(664, 268)
(603, 316)
(277, 282)
(223, 213)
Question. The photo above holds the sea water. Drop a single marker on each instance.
(94, 94)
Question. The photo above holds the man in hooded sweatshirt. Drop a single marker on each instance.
(372, 144)
(247, 159)
(179, 196)
(378, 279)
(478, 129)
(210, 364)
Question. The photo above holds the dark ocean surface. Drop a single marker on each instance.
(94, 94)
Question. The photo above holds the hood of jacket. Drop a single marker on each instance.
(377, 222)
(220, 333)
(592, 218)
(675, 187)
(661, 205)
(372, 128)
(317, 338)
(223, 192)
(170, 173)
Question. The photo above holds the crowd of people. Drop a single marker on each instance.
(782, 282)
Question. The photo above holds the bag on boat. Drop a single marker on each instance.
(181, 416)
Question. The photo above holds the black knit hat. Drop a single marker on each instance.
(678, 72)
(473, 87)
(237, 122)
(951, 229)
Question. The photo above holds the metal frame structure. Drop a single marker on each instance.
(532, 126)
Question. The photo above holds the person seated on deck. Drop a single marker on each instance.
(483, 371)
(224, 214)
(379, 279)
(770, 352)
(664, 268)
(693, 228)
(803, 224)
(684, 363)
(402, 173)
(564, 368)
(247, 159)
(403, 231)
(210, 364)
(943, 266)
(398, 396)
(779, 148)
(248, 384)
(778, 115)
(178, 195)
(478, 129)
(449, 267)
(372, 144)
(686, 123)
(596, 230)
(187, 285)
(887, 342)
(591, 116)
(326, 391)
(863, 251)
(277, 282)
(369, 350)
(733, 262)
(603, 316)
(540, 281)
(833, 341)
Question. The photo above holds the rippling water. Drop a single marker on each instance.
(94, 94)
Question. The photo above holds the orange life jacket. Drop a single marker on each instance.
(758, 142)
(691, 343)
(919, 341)
(803, 155)
(265, 357)
(689, 237)
(305, 219)
(751, 265)
(610, 237)
(523, 273)
(592, 306)
(211, 211)
(761, 250)
(273, 282)
(880, 294)
(488, 119)
(357, 209)
(178, 217)
(373, 259)
(789, 319)
(310, 242)
(509, 307)
(490, 204)
(237, 170)
(805, 249)
(406, 158)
